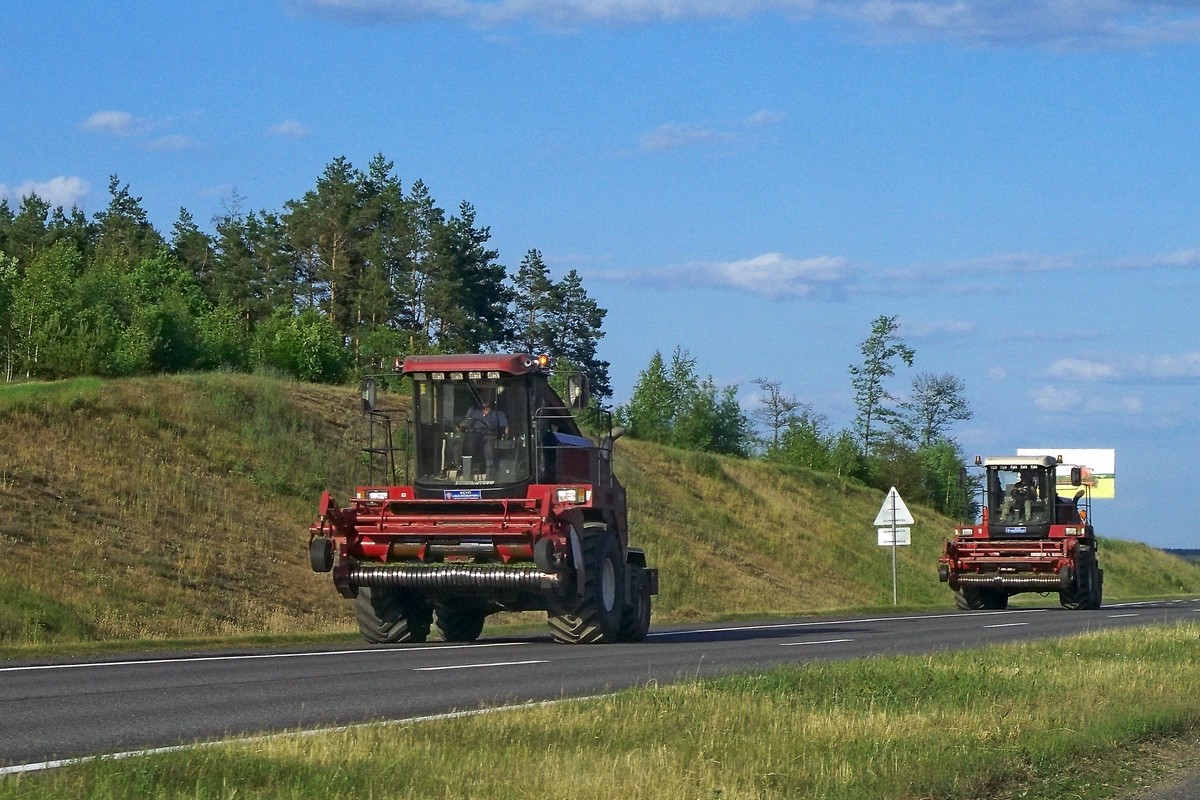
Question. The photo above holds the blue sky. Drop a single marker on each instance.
(754, 181)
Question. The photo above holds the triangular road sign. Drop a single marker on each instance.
(894, 512)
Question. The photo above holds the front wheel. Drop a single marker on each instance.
(460, 623)
(391, 616)
(635, 616)
(973, 599)
(1088, 592)
(593, 613)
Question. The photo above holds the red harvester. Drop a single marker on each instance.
(1030, 539)
(511, 508)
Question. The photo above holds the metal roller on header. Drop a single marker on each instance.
(1029, 538)
(510, 507)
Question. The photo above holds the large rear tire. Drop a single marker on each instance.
(391, 616)
(593, 613)
(460, 623)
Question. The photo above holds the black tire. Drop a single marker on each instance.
(635, 615)
(970, 598)
(460, 623)
(1088, 592)
(391, 616)
(593, 615)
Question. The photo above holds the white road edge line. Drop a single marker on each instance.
(477, 666)
(782, 625)
(1007, 625)
(153, 751)
(823, 641)
(251, 656)
(1118, 616)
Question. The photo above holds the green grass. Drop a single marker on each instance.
(178, 507)
(1082, 717)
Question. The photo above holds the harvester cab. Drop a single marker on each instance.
(505, 506)
(1024, 500)
(1034, 535)
(492, 432)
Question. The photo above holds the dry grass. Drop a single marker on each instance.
(178, 507)
(166, 507)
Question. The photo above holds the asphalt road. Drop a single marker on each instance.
(73, 709)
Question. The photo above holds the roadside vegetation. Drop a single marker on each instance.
(165, 504)
(177, 507)
(1093, 716)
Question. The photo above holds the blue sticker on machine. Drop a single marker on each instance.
(1015, 530)
(462, 494)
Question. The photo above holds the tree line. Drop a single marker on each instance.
(340, 281)
(357, 272)
(896, 441)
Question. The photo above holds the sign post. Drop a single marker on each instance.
(894, 513)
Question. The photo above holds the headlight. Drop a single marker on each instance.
(377, 495)
(572, 495)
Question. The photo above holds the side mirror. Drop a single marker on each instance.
(1076, 476)
(577, 391)
(366, 395)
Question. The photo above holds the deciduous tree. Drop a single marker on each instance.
(880, 351)
(937, 402)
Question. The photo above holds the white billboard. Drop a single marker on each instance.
(1102, 463)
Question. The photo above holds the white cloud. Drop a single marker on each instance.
(1169, 367)
(1054, 398)
(290, 129)
(1070, 369)
(146, 133)
(770, 275)
(1156, 368)
(672, 136)
(1048, 23)
(171, 144)
(1129, 405)
(60, 191)
(1058, 400)
(675, 135)
(116, 123)
(1186, 257)
(775, 275)
(763, 119)
(939, 329)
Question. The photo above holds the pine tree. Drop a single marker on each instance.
(575, 327)
(532, 306)
(125, 235)
(651, 410)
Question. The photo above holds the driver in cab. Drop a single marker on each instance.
(483, 426)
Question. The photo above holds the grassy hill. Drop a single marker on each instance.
(178, 507)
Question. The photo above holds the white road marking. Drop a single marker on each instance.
(476, 666)
(1007, 625)
(823, 641)
(252, 656)
(782, 625)
(1118, 616)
